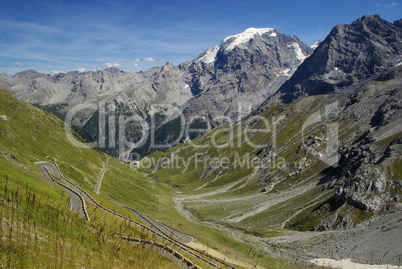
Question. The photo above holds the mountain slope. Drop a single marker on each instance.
(325, 162)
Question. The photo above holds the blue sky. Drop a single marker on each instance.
(60, 35)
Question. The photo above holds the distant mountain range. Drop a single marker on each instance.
(243, 70)
(244, 73)
(247, 67)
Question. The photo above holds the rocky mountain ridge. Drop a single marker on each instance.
(350, 55)
(240, 67)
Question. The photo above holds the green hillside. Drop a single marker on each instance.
(38, 229)
(272, 172)
(230, 177)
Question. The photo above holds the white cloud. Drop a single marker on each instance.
(386, 5)
(57, 72)
(136, 64)
(137, 60)
(149, 59)
(391, 5)
(115, 64)
(19, 64)
(81, 70)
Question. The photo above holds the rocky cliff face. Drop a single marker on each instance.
(350, 55)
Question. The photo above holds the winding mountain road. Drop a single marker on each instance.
(76, 201)
(158, 229)
(161, 227)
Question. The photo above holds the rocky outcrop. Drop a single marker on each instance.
(366, 190)
(364, 177)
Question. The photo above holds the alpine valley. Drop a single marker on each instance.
(274, 151)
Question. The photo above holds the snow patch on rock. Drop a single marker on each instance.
(299, 54)
(210, 56)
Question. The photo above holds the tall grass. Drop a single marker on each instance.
(38, 232)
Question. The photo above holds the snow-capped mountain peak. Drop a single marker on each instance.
(244, 37)
(232, 41)
(248, 34)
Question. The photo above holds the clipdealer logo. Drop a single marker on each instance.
(238, 133)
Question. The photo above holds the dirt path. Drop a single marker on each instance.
(221, 256)
(99, 182)
(374, 242)
(311, 203)
(259, 202)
